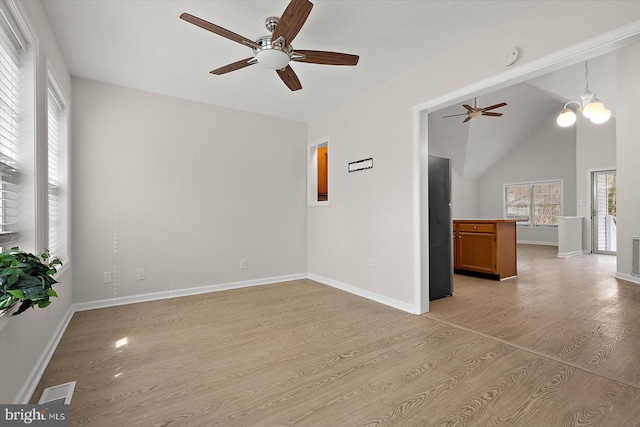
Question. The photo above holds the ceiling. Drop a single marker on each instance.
(476, 146)
(144, 45)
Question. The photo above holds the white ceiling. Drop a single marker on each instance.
(144, 45)
(476, 146)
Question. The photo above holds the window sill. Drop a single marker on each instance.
(327, 203)
(538, 227)
(62, 270)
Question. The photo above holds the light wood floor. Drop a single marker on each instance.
(558, 346)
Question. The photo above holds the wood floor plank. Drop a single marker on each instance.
(572, 309)
(301, 353)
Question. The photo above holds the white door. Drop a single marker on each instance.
(603, 212)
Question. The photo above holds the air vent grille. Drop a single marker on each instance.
(60, 394)
(635, 256)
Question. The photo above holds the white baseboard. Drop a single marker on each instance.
(536, 242)
(29, 386)
(382, 299)
(569, 254)
(628, 278)
(112, 302)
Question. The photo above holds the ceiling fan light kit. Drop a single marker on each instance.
(590, 107)
(275, 51)
(274, 59)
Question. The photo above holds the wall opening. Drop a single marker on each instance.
(318, 173)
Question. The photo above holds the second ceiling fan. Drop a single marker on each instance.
(275, 51)
(475, 111)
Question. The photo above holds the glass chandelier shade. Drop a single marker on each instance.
(591, 107)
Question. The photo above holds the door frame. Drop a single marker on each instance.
(592, 227)
(588, 49)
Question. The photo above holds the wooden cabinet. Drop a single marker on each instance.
(485, 246)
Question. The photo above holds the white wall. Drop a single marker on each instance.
(183, 189)
(465, 194)
(549, 154)
(595, 149)
(628, 155)
(25, 338)
(371, 213)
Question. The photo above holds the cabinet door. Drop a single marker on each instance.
(476, 251)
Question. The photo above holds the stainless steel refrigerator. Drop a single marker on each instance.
(440, 229)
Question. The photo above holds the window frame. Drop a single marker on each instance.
(532, 204)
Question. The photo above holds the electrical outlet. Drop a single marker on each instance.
(141, 274)
(371, 262)
(243, 264)
(107, 277)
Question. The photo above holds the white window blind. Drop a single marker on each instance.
(10, 83)
(56, 135)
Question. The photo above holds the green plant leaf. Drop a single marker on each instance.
(28, 282)
(27, 278)
(34, 293)
(16, 293)
(7, 301)
(12, 279)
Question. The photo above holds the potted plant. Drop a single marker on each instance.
(26, 279)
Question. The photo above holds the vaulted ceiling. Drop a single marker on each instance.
(477, 145)
(144, 45)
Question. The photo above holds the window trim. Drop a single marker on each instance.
(531, 205)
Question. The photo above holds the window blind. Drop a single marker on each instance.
(56, 133)
(10, 53)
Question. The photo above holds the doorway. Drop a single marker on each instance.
(422, 133)
(603, 212)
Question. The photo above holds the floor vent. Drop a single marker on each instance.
(58, 394)
(635, 256)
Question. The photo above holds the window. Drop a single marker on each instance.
(318, 173)
(518, 202)
(12, 50)
(534, 203)
(56, 146)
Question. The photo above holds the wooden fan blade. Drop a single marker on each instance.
(327, 58)
(218, 30)
(484, 113)
(455, 115)
(467, 119)
(493, 107)
(233, 67)
(292, 20)
(289, 78)
(468, 107)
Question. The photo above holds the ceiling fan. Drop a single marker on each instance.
(475, 111)
(275, 51)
